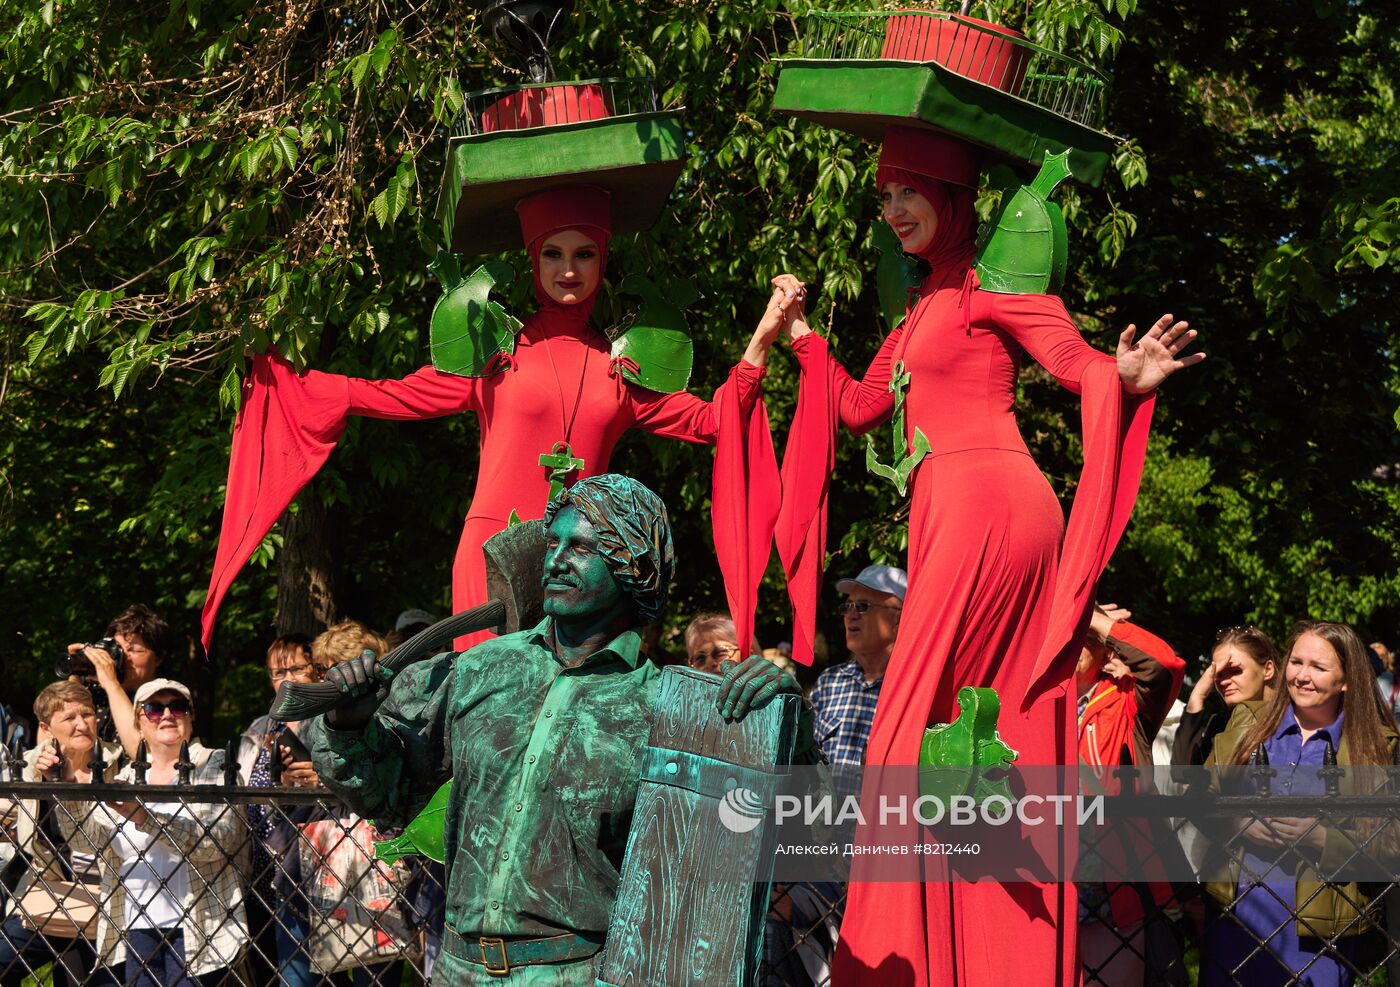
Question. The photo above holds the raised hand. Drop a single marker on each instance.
(769, 325)
(795, 316)
(1201, 691)
(1143, 365)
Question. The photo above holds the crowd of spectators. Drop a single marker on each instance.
(146, 891)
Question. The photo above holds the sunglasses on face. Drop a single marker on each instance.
(860, 606)
(154, 711)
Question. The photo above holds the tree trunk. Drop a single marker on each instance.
(307, 567)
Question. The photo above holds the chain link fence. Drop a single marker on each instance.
(226, 884)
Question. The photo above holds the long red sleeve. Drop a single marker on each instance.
(827, 395)
(865, 403)
(684, 416)
(425, 393)
(1044, 329)
(745, 492)
(287, 426)
(1115, 426)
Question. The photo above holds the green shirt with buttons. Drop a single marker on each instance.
(544, 761)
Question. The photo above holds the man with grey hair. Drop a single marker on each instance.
(542, 734)
(846, 694)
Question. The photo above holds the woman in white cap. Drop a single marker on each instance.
(172, 881)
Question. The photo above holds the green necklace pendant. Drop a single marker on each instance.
(560, 462)
(905, 461)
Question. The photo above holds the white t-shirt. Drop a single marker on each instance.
(146, 863)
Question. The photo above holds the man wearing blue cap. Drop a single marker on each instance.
(846, 694)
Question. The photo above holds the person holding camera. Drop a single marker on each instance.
(58, 890)
(132, 650)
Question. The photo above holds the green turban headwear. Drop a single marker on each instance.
(634, 535)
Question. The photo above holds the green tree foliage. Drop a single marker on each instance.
(184, 181)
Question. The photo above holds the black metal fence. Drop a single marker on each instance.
(233, 885)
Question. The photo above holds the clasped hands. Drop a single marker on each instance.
(1286, 832)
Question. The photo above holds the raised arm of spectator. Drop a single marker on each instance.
(1156, 670)
(123, 713)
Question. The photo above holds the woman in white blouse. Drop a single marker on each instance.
(174, 870)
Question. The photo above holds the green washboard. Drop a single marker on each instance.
(693, 896)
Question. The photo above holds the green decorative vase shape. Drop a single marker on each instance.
(470, 333)
(424, 835)
(956, 758)
(1024, 252)
(656, 351)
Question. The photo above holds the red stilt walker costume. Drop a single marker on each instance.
(561, 381)
(999, 586)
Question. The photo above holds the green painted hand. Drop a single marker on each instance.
(752, 684)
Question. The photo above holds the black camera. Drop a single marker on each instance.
(77, 663)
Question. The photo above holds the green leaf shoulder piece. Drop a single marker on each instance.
(424, 835)
(470, 332)
(896, 276)
(954, 758)
(1024, 251)
(656, 351)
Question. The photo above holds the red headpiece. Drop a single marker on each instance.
(570, 207)
(943, 170)
(931, 154)
(586, 208)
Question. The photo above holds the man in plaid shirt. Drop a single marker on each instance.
(846, 694)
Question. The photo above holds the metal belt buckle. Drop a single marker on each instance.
(485, 942)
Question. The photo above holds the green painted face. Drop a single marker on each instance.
(578, 585)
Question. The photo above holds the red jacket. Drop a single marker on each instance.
(1120, 720)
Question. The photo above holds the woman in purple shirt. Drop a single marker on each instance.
(1274, 896)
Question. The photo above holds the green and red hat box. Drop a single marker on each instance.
(969, 78)
(526, 139)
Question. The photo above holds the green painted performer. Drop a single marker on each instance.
(542, 733)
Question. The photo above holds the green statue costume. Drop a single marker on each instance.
(542, 733)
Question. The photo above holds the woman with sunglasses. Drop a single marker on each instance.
(1268, 883)
(172, 880)
(1243, 668)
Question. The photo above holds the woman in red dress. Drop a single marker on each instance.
(560, 385)
(999, 588)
